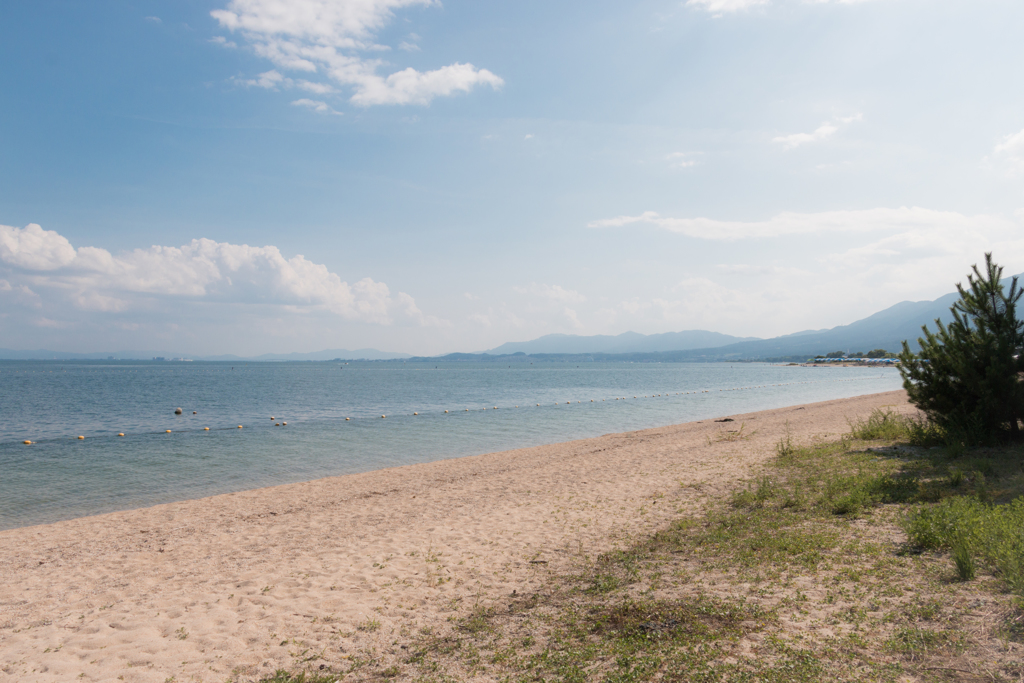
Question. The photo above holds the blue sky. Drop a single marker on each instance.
(250, 176)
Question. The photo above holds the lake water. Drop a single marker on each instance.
(60, 476)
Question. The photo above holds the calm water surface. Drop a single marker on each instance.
(60, 476)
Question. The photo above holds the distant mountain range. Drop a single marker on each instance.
(627, 342)
(328, 354)
(883, 330)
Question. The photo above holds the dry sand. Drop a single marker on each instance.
(234, 586)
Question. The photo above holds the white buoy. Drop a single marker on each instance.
(415, 413)
(347, 419)
(177, 411)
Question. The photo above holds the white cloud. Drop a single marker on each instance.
(824, 223)
(155, 20)
(719, 7)
(326, 36)
(1011, 151)
(844, 266)
(32, 248)
(409, 47)
(528, 136)
(270, 80)
(222, 41)
(316, 105)
(206, 271)
(681, 159)
(822, 132)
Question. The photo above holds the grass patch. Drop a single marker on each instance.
(282, 676)
(799, 576)
(973, 529)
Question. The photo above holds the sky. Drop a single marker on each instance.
(273, 176)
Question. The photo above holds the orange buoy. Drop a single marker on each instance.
(206, 429)
(166, 431)
(81, 437)
(383, 416)
(120, 433)
(26, 442)
(446, 411)
(415, 413)
(239, 426)
(347, 419)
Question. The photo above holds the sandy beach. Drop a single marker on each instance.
(235, 586)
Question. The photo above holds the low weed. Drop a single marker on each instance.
(973, 528)
(282, 676)
(888, 425)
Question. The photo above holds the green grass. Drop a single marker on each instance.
(812, 539)
(974, 530)
(282, 676)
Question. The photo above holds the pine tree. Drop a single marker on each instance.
(966, 377)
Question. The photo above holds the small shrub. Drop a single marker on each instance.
(956, 478)
(964, 562)
(994, 534)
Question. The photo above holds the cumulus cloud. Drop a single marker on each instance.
(1011, 151)
(44, 263)
(330, 38)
